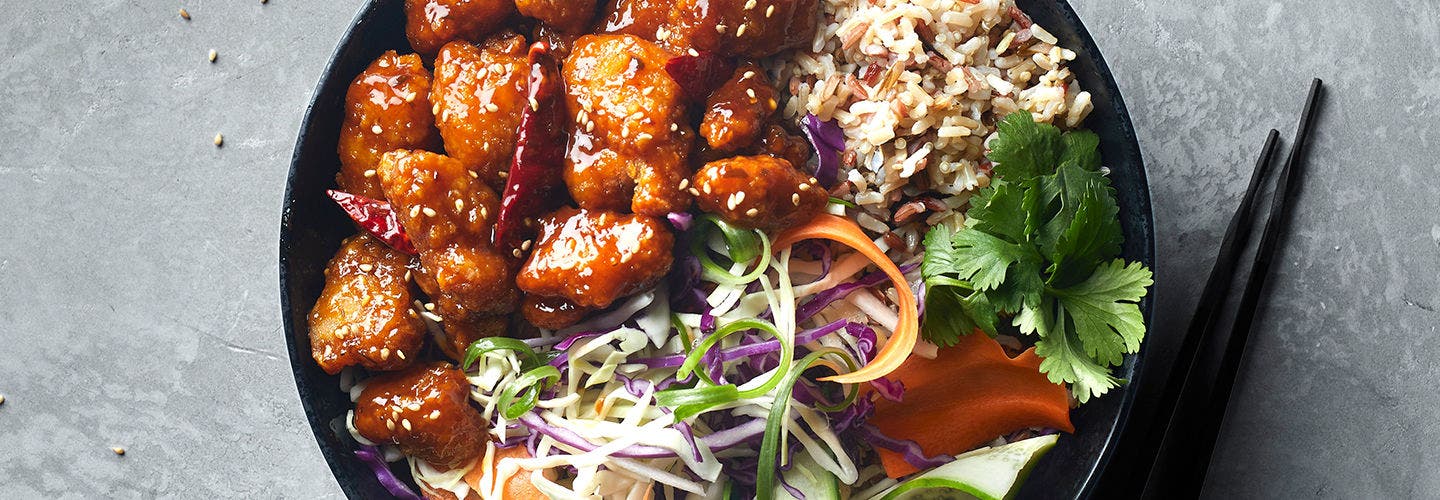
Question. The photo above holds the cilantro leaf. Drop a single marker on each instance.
(985, 260)
(1082, 149)
(1000, 210)
(1092, 237)
(1025, 149)
(939, 253)
(1104, 310)
(951, 314)
(1063, 361)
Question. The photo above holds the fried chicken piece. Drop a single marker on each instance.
(631, 135)
(571, 16)
(386, 107)
(737, 112)
(479, 95)
(780, 143)
(430, 24)
(758, 192)
(591, 258)
(363, 316)
(552, 313)
(729, 27)
(448, 213)
(426, 412)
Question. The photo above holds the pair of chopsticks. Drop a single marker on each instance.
(1178, 447)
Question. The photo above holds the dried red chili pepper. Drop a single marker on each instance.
(536, 184)
(700, 73)
(375, 217)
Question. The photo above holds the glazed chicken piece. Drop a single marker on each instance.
(479, 95)
(749, 28)
(591, 258)
(780, 143)
(387, 107)
(758, 192)
(570, 16)
(737, 112)
(552, 313)
(448, 213)
(363, 316)
(632, 142)
(430, 24)
(426, 412)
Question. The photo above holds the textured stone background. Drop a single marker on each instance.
(140, 305)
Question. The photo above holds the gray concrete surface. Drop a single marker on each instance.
(140, 304)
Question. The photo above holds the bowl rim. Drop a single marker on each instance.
(366, 12)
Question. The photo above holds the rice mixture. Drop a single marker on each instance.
(917, 86)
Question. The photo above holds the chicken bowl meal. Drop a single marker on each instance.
(712, 249)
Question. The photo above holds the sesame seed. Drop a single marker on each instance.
(429, 306)
(435, 109)
(2, 399)
(407, 275)
(410, 97)
(389, 424)
(412, 313)
(749, 74)
(370, 173)
(213, 55)
(401, 354)
(813, 181)
(684, 183)
(706, 188)
(413, 407)
(118, 451)
(804, 187)
(589, 126)
(376, 129)
(730, 202)
(647, 91)
(643, 136)
(739, 196)
(749, 4)
(433, 317)
(484, 212)
(626, 258)
(384, 353)
(693, 192)
(739, 32)
(720, 28)
(343, 331)
(473, 174)
(434, 414)
(415, 211)
(219, 140)
(693, 52)
(752, 212)
(429, 212)
(750, 92)
(459, 204)
(367, 267)
(769, 11)
(525, 245)
(515, 252)
(795, 199)
(502, 174)
(674, 127)
(491, 107)
(184, 14)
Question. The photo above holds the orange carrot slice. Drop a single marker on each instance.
(902, 340)
(517, 486)
(967, 396)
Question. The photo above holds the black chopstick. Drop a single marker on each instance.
(1192, 408)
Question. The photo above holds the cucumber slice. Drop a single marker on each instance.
(986, 473)
(809, 477)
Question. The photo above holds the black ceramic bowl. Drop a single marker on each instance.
(311, 228)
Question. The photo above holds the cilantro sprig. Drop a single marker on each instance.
(1040, 247)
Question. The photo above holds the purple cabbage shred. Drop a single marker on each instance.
(828, 140)
(372, 457)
